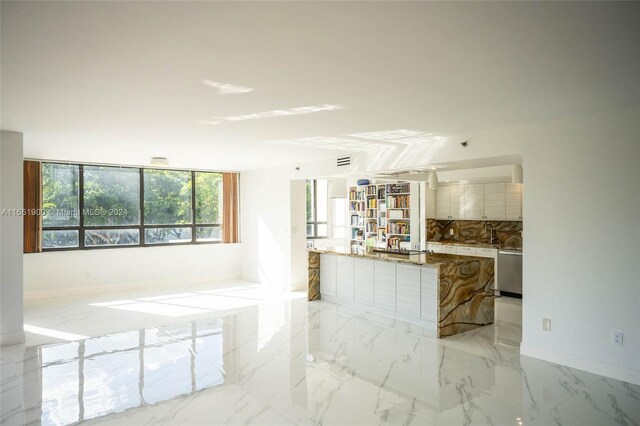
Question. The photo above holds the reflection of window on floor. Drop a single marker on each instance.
(94, 377)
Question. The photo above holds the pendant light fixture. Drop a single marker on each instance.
(433, 180)
(516, 174)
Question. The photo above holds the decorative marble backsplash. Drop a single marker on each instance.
(507, 233)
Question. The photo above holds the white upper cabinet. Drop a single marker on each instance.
(513, 208)
(442, 202)
(494, 201)
(456, 201)
(473, 201)
(479, 201)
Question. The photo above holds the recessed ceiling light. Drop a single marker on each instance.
(226, 88)
(159, 161)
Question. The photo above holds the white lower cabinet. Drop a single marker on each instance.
(345, 278)
(436, 248)
(408, 290)
(385, 285)
(466, 251)
(449, 249)
(487, 252)
(429, 294)
(363, 281)
(328, 278)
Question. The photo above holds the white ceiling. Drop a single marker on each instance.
(122, 81)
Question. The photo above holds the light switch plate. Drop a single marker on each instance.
(546, 324)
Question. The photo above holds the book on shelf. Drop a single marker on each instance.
(398, 202)
(397, 188)
(356, 206)
(398, 228)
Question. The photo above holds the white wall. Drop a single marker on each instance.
(582, 218)
(582, 249)
(266, 226)
(11, 329)
(53, 274)
(298, 194)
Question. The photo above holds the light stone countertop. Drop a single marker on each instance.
(432, 260)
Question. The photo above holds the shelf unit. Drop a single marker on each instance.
(380, 216)
(357, 212)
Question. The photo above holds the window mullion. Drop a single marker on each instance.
(141, 227)
(193, 207)
(81, 206)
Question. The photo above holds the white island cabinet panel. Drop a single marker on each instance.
(429, 294)
(385, 285)
(363, 277)
(328, 279)
(345, 278)
(408, 285)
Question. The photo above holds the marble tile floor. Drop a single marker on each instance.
(244, 354)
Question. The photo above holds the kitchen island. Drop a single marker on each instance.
(447, 293)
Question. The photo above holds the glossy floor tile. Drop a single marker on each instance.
(244, 354)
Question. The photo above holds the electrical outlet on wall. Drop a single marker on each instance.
(451, 231)
(617, 338)
(546, 324)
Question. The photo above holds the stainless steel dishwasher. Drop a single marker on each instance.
(509, 281)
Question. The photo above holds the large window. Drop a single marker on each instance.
(317, 210)
(88, 206)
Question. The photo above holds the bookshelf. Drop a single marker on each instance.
(380, 216)
(357, 214)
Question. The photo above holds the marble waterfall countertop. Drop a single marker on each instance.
(433, 260)
(464, 287)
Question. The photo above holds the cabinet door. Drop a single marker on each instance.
(429, 294)
(456, 202)
(345, 278)
(363, 281)
(328, 267)
(513, 201)
(442, 202)
(408, 290)
(474, 201)
(385, 285)
(486, 252)
(436, 248)
(466, 251)
(449, 249)
(494, 201)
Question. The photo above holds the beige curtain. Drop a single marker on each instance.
(230, 207)
(32, 193)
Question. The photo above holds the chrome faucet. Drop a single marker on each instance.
(490, 235)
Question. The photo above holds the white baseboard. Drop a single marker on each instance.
(93, 289)
(8, 339)
(575, 361)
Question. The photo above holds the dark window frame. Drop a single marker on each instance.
(314, 214)
(141, 227)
